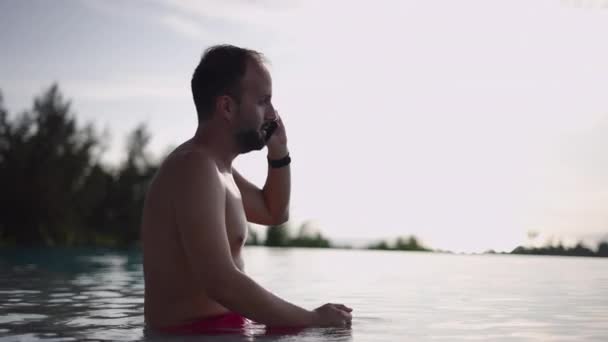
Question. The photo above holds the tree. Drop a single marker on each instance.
(581, 250)
(45, 159)
(382, 245)
(55, 189)
(129, 188)
(401, 244)
(309, 236)
(277, 236)
(252, 237)
(411, 244)
(602, 249)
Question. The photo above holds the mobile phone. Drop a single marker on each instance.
(272, 127)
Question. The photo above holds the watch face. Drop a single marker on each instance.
(272, 127)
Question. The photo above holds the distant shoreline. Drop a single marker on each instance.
(137, 247)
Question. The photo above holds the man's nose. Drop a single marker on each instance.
(271, 114)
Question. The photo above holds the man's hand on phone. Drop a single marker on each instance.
(277, 143)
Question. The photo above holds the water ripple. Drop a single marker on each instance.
(397, 296)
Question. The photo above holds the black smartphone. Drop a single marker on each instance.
(272, 127)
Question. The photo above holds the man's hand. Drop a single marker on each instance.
(269, 205)
(277, 144)
(333, 315)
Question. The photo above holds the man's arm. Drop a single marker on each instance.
(199, 202)
(269, 205)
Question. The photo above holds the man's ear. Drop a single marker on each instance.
(226, 107)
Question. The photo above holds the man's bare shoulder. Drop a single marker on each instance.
(189, 160)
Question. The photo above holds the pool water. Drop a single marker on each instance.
(93, 294)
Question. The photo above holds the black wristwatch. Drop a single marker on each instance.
(277, 163)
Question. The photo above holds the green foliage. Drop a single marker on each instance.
(278, 236)
(252, 238)
(55, 191)
(579, 250)
(316, 240)
(602, 249)
(411, 244)
(382, 245)
(401, 244)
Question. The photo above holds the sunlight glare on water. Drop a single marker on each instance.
(67, 295)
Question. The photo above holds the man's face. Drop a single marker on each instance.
(255, 111)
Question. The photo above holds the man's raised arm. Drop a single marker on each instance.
(269, 205)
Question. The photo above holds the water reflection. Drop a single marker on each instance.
(70, 294)
(67, 295)
(63, 295)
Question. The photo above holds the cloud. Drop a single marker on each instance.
(225, 20)
(237, 21)
(133, 87)
(185, 26)
(124, 9)
(253, 13)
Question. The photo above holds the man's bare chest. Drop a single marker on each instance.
(236, 220)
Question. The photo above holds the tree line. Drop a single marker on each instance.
(55, 190)
(280, 236)
(578, 250)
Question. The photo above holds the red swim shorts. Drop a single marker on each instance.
(228, 323)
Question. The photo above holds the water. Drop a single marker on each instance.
(67, 295)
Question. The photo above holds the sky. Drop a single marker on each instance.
(465, 123)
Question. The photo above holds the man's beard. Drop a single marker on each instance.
(250, 140)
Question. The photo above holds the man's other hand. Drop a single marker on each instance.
(333, 315)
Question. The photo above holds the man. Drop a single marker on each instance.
(195, 216)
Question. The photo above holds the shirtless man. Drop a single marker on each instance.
(197, 207)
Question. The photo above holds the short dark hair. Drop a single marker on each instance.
(219, 72)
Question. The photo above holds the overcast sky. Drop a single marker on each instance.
(466, 123)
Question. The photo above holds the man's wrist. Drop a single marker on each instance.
(277, 152)
(279, 163)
